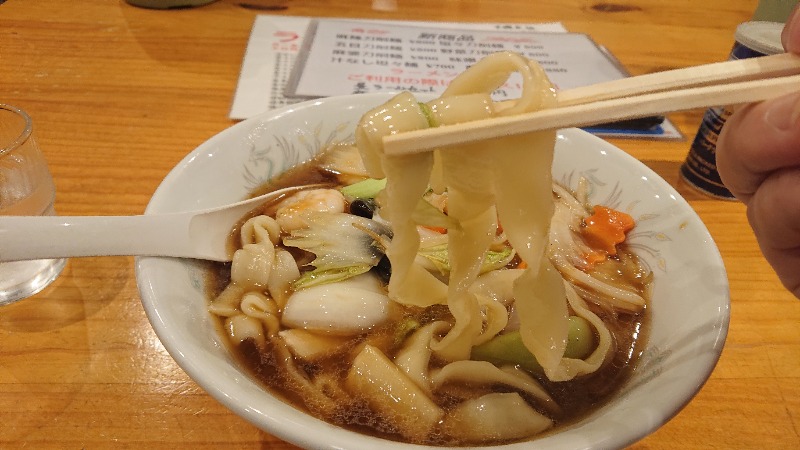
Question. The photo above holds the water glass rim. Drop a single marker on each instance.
(26, 132)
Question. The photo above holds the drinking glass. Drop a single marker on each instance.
(26, 189)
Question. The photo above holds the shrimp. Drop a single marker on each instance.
(291, 213)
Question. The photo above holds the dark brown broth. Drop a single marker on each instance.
(577, 398)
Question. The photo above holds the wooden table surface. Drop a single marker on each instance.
(120, 94)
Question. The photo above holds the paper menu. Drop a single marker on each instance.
(276, 41)
(348, 57)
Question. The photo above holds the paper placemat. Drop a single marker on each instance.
(292, 59)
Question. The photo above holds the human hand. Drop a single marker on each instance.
(758, 158)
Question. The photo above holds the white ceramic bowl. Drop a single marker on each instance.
(690, 304)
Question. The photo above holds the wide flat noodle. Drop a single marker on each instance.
(525, 203)
(414, 358)
(513, 173)
(407, 181)
(495, 417)
(569, 368)
(516, 176)
(486, 373)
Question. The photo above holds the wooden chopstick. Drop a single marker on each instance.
(715, 84)
(708, 74)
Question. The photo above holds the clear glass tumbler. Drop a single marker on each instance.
(26, 189)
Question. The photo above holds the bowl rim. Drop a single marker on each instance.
(293, 427)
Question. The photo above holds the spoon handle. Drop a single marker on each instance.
(43, 237)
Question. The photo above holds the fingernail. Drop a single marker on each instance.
(791, 43)
(784, 112)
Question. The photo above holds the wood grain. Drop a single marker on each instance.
(119, 95)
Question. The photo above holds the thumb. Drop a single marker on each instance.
(757, 140)
(758, 157)
(791, 32)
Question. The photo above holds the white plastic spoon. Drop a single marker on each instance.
(194, 234)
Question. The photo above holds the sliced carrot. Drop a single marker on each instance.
(441, 230)
(594, 257)
(606, 228)
(522, 265)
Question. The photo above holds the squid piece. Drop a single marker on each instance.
(242, 327)
(227, 302)
(345, 308)
(252, 265)
(284, 272)
(263, 308)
